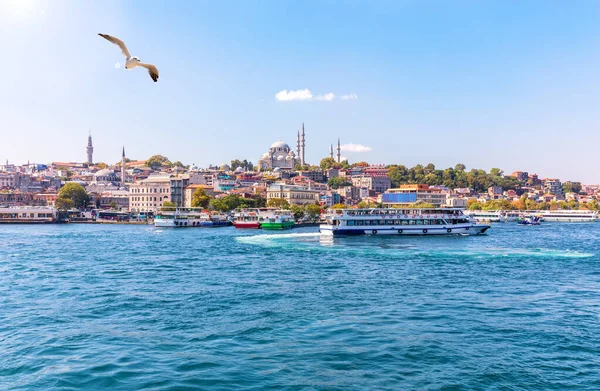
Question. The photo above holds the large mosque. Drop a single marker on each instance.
(280, 155)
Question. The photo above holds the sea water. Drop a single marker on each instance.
(136, 307)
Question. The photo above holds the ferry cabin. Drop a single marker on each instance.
(400, 222)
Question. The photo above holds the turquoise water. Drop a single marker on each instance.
(134, 307)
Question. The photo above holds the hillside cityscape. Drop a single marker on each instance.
(280, 178)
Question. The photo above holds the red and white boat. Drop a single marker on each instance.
(252, 218)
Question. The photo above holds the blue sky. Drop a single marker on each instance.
(510, 84)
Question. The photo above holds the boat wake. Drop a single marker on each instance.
(317, 242)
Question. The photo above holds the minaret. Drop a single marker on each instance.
(303, 145)
(331, 151)
(298, 146)
(339, 152)
(90, 149)
(123, 168)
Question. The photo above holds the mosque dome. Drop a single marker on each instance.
(104, 173)
(280, 144)
(276, 169)
(239, 169)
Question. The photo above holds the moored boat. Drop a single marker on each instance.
(189, 217)
(252, 218)
(436, 221)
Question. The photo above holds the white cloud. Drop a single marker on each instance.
(355, 148)
(285, 95)
(118, 65)
(327, 96)
(306, 94)
(350, 96)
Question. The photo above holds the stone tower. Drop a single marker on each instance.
(123, 168)
(90, 150)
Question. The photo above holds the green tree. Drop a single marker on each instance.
(337, 182)
(219, 205)
(313, 211)
(178, 164)
(74, 192)
(360, 164)
(572, 187)
(168, 205)
(158, 161)
(280, 203)
(101, 165)
(327, 163)
(63, 204)
(366, 204)
(297, 211)
(338, 206)
(113, 205)
(200, 199)
(460, 167)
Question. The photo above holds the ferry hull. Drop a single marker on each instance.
(247, 225)
(472, 229)
(278, 226)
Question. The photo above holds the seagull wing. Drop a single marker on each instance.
(152, 70)
(117, 42)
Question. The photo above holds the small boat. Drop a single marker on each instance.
(188, 217)
(531, 220)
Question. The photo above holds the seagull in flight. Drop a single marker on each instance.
(132, 62)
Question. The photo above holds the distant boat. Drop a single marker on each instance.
(530, 220)
(566, 216)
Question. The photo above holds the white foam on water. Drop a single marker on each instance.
(288, 240)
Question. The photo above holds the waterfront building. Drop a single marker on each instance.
(119, 197)
(8, 180)
(28, 214)
(376, 170)
(379, 184)
(293, 194)
(408, 194)
(553, 186)
(316, 175)
(148, 195)
(90, 150)
(520, 175)
(177, 193)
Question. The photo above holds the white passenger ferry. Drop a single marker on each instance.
(486, 216)
(183, 218)
(566, 216)
(446, 221)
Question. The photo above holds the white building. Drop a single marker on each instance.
(293, 194)
(148, 195)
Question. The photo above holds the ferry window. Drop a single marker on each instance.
(359, 222)
(350, 222)
(411, 222)
(419, 222)
(390, 222)
(404, 222)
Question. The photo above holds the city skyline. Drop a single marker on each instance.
(401, 83)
